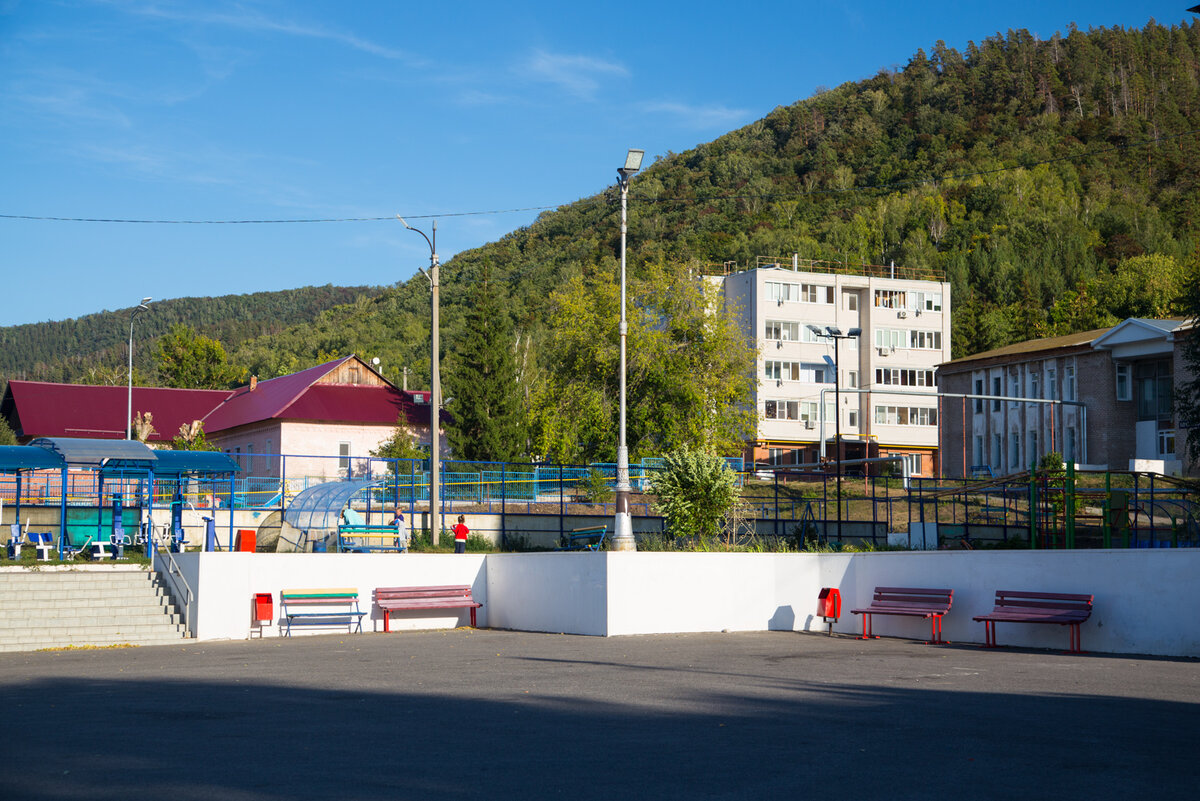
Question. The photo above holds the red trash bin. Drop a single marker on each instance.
(245, 540)
(264, 608)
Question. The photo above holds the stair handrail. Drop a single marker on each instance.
(172, 572)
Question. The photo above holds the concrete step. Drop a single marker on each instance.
(57, 608)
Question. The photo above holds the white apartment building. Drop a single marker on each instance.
(886, 375)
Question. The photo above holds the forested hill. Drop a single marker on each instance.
(1053, 182)
(92, 349)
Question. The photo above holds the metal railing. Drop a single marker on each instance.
(160, 548)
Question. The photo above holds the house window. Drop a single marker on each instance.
(1155, 387)
(850, 301)
(774, 455)
(977, 451)
(997, 389)
(891, 338)
(1051, 384)
(906, 416)
(782, 410)
(250, 457)
(912, 463)
(852, 418)
(1069, 445)
(1124, 382)
(782, 331)
(852, 379)
(978, 403)
(1014, 454)
(1035, 390)
(1069, 382)
(343, 455)
(890, 299)
(1032, 441)
(1166, 443)
(997, 451)
(1014, 386)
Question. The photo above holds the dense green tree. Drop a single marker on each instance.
(690, 370)
(193, 361)
(487, 421)
(694, 490)
(1187, 387)
(401, 444)
(7, 437)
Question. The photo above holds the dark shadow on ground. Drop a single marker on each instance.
(751, 736)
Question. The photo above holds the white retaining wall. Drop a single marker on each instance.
(1143, 598)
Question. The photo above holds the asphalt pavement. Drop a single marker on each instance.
(468, 714)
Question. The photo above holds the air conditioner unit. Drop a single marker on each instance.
(780, 302)
(779, 382)
(885, 351)
(917, 312)
(809, 424)
(902, 314)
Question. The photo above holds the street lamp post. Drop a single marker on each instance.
(835, 334)
(623, 539)
(141, 307)
(435, 383)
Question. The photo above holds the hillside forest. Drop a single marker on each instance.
(1052, 182)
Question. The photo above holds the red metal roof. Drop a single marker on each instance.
(44, 409)
(267, 400)
(353, 404)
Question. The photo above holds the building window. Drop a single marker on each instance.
(905, 415)
(977, 452)
(774, 455)
(1124, 382)
(782, 331)
(1155, 389)
(1069, 445)
(997, 451)
(891, 338)
(1032, 442)
(810, 372)
(1014, 386)
(1166, 443)
(885, 376)
(1035, 390)
(250, 458)
(912, 463)
(852, 418)
(1014, 451)
(978, 401)
(997, 389)
(1051, 384)
(782, 410)
(891, 299)
(925, 301)
(343, 455)
(925, 340)
(852, 379)
(850, 301)
(1069, 382)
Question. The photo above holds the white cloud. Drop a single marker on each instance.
(579, 75)
(702, 117)
(247, 20)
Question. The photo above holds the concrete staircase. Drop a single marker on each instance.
(55, 607)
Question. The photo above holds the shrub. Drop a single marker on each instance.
(695, 491)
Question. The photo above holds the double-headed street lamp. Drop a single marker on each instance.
(435, 383)
(623, 524)
(832, 332)
(141, 307)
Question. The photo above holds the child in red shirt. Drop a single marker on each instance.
(460, 535)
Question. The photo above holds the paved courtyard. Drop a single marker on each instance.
(499, 715)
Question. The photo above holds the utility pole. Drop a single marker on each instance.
(435, 391)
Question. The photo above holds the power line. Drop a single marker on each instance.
(891, 186)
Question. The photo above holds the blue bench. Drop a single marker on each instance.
(583, 539)
(326, 607)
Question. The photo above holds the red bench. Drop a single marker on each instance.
(1065, 609)
(390, 599)
(909, 602)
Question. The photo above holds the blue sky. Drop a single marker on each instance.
(284, 110)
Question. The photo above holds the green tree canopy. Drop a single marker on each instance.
(695, 491)
(487, 421)
(690, 370)
(192, 361)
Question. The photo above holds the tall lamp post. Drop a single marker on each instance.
(832, 332)
(435, 383)
(623, 524)
(141, 307)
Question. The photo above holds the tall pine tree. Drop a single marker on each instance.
(487, 417)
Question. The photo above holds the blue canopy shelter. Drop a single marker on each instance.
(124, 459)
(319, 508)
(16, 459)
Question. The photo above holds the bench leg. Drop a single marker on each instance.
(473, 618)
(868, 628)
(989, 634)
(1076, 644)
(935, 631)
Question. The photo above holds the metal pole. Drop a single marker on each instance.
(129, 394)
(435, 412)
(837, 428)
(623, 524)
